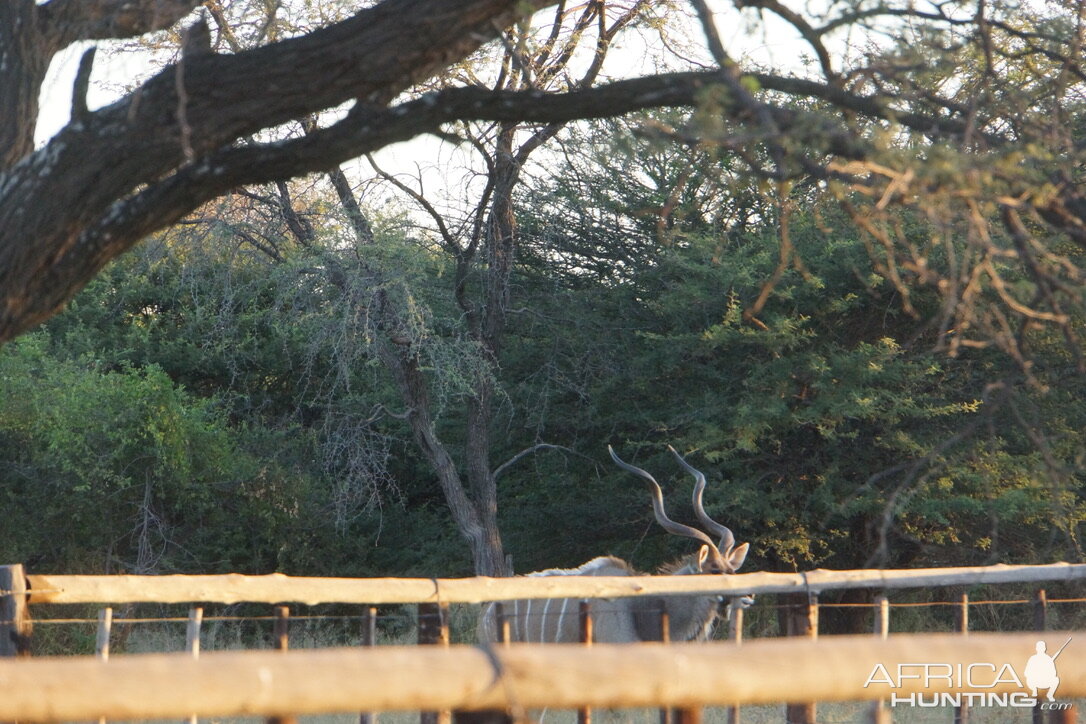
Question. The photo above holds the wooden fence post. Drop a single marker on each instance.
(192, 638)
(665, 637)
(15, 623)
(1065, 716)
(691, 715)
(1040, 610)
(1040, 623)
(735, 635)
(804, 622)
(281, 634)
(433, 627)
(369, 638)
(101, 639)
(105, 628)
(880, 714)
(584, 716)
(504, 634)
(961, 620)
(492, 716)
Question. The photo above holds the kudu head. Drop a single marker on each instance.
(721, 557)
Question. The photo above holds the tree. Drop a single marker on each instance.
(842, 437)
(118, 468)
(481, 249)
(483, 245)
(114, 175)
(963, 124)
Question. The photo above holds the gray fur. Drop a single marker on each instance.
(618, 620)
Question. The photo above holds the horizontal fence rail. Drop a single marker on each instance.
(517, 677)
(278, 588)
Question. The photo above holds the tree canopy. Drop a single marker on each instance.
(849, 283)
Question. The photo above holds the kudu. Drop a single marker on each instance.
(626, 620)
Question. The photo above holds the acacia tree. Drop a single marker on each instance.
(116, 174)
(565, 54)
(113, 175)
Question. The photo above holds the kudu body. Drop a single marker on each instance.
(627, 620)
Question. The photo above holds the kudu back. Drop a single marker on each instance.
(627, 620)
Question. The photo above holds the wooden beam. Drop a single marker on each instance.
(567, 676)
(15, 624)
(277, 588)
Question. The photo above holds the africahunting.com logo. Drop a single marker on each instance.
(1038, 675)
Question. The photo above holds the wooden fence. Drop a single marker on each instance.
(514, 677)
(278, 588)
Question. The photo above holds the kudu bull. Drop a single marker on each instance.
(626, 620)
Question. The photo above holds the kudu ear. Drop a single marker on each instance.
(703, 555)
(737, 556)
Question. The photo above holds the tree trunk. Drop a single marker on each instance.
(500, 236)
(476, 520)
(475, 514)
(25, 53)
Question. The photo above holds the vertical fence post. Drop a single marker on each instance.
(502, 622)
(1040, 623)
(281, 634)
(735, 621)
(15, 624)
(879, 713)
(192, 638)
(961, 620)
(192, 631)
(433, 629)
(503, 633)
(101, 639)
(369, 638)
(665, 637)
(584, 715)
(282, 628)
(690, 715)
(804, 622)
(735, 635)
(1065, 716)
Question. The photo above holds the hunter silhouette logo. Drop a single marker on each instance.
(1041, 670)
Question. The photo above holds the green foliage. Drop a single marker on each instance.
(204, 407)
(122, 469)
(835, 433)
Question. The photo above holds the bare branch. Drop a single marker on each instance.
(81, 84)
(810, 34)
(526, 452)
(446, 236)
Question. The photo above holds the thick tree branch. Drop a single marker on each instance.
(87, 170)
(69, 21)
(105, 217)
